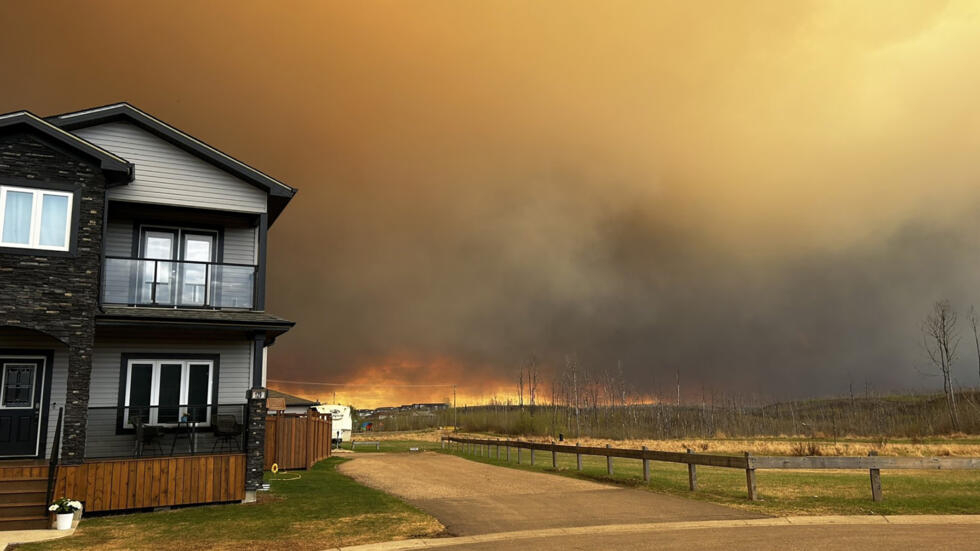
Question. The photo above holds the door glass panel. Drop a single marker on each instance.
(169, 392)
(157, 277)
(18, 385)
(197, 391)
(140, 380)
(194, 276)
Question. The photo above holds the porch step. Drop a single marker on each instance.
(29, 484)
(23, 496)
(25, 523)
(21, 510)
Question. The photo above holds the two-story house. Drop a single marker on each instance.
(133, 330)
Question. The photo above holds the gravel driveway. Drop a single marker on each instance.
(474, 498)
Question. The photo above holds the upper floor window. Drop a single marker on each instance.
(35, 218)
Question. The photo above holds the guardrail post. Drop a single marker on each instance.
(875, 480)
(750, 477)
(692, 474)
(554, 457)
(518, 455)
(497, 448)
(532, 454)
(609, 467)
(443, 444)
(646, 466)
(507, 450)
(578, 458)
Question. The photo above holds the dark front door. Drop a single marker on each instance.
(20, 405)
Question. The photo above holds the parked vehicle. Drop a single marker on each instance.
(342, 422)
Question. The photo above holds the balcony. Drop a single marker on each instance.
(183, 284)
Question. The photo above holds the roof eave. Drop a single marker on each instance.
(118, 171)
(273, 328)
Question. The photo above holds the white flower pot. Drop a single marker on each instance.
(64, 521)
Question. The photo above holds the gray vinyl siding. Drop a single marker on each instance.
(168, 175)
(234, 373)
(239, 246)
(12, 338)
(119, 238)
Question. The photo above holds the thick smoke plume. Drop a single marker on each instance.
(764, 197)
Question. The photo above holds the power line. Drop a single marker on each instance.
(372, 385)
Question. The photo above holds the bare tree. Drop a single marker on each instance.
(941, 339)
(532, 378)
(520, 388)
(571, 368)
(976, 333)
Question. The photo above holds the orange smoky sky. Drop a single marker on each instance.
(754, 197)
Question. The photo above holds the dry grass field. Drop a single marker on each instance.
(956, 445)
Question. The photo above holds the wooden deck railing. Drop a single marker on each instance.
(297, 441)
(873, 463)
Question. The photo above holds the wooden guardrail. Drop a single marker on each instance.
(747, 462)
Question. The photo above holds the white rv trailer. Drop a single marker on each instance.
(341, 421)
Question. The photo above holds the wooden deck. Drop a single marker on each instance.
(120, 484)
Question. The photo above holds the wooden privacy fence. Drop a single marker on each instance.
(749, 463)
(295, 441)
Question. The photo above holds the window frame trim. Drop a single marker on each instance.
(75, 207)
(122, 423)
(37, 205)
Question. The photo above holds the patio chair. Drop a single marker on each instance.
(227, 428)
(145, 434)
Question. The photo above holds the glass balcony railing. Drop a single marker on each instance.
(147, 282)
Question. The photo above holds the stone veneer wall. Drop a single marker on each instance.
(57, 293)
(255, 444)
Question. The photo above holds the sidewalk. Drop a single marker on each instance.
(27, 536)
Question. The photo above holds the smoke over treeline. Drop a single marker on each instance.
(765, 197)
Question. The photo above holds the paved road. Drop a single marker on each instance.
(474, 498)
(822, 538)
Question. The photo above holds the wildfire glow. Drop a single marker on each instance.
(397, 382)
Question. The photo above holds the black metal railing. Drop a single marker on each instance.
(154, 431)
(55, 455)
(152, 282)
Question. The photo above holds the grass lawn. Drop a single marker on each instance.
(320, 510)
(781, 492)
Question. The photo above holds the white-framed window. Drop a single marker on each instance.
(35, 218)
(163, 392)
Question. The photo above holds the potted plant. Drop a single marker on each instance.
(64, 510)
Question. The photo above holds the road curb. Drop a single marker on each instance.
(427, 543)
